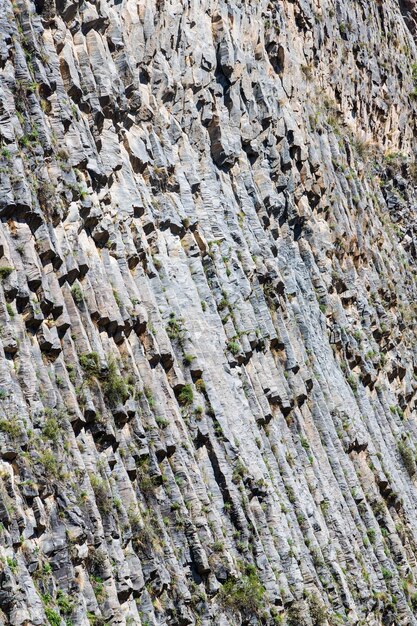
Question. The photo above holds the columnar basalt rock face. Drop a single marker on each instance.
(208, 364)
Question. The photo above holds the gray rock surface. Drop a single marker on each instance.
(208, 364)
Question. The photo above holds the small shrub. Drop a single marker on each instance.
(64, 603)
(90, 363)
(387, 574)
(98, 586)
(188, 359)
(407, 457)
(318, 611)
(378, 507)
(186, 395)
(361, 147)
(233, 347)
(149, 397)
(117, 297)
(53, 617)
(114, 387)
(174, 328)
(11, 427)
(295, 615)
(352, 382)
(290, 494)
(51, 429)
(12, 563)
(77, 293)
(10, 310)
(413, 93)
(5, 271)
(239, 471)
(71, 372)
(101, 493)
(50, 464)
(161, 421)
(245, 594)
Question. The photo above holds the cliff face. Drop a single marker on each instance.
(207, 313)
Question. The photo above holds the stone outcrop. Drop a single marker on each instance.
(208, 364)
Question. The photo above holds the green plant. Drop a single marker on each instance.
(11, 427)
(90, 363)
(186, 395)
(295, 615)
(98, 586)
(77, 293)
(10, 310)
(244, 594)
(318, 611)
(378, 507)
(239, 471)
(291, 494)
(5, 271)
(175, 328)
(149, 397)
(200, 385)
(51, 429)
(53, 617)
(64, 603)
(115, 388)
(161, 421)
(218, 546)
(12, 563)
(413, 93)
(117, 297)
(407, 457)
(188, 359)
(233, 347)
(24, 141)
(352, 382)
(50, 464)
(387, 574)
(157, 263)
(101, 493)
